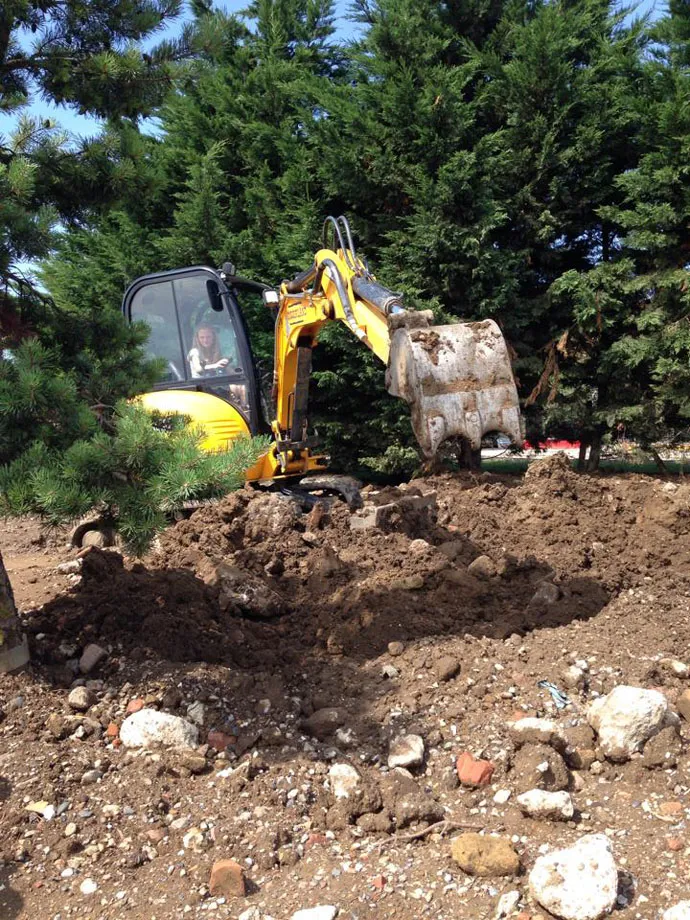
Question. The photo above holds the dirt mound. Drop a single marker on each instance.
(301, 642)
(252, 580)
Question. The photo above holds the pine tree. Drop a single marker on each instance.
(67, 441)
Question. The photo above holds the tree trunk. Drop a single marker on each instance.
(582, 456)
(594, 453)
(14, 649)
(470, 459)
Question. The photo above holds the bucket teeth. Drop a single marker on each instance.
(457, 380)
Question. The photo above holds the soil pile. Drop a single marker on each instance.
(306, 649)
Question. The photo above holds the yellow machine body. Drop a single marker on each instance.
(456, 378)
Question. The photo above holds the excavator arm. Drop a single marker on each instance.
(456, 378)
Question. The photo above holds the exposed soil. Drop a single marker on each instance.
(280, 624)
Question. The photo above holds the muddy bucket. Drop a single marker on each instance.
(457, 380)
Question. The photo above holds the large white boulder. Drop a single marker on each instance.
(626, 718)
(578, 883)
(679, 911)
(149, 728)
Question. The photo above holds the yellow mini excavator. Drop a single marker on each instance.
(456, 378)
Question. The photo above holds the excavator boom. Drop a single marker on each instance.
(456, 378)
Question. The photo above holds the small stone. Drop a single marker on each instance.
(472, 772)
(507, 903)
(546, 595)
(390, 672)
(195, 839)
(81, 699)
(396, 648)
(485, 856)
(683, 705)
(625, 718)
(70, 829)
(344, 780)
(112, 731)
(679, 668)
(88, 886)
(482, 567)
(446, 668)
(577, 883)
(406, 751)
(220, 740)
(91, 777)
(150, 728)
(671, 809)
(323, 723)
(407, 583)
(322, 912)
(502, 796)
(674, 844)
(679, 911)
(90, 657)
(537, 731)
(663, 749)
(227, 879)
(540, 803)
(135, 705)
(574, 678)
(196, 712)
(57, 725)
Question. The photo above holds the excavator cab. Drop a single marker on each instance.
(198, 334)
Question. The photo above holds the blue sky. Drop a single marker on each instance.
(85, 125)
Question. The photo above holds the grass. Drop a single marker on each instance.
(617, 465)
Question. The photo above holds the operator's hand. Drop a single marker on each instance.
(223, 362)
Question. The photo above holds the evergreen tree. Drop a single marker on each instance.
(67, 442)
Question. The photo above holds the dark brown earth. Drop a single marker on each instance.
(279, 623)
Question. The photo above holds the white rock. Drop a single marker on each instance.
(80, 699)
(679, 668)
(679, 911)
(150, 728)
(90, 657)
(322, 912)
(406, 751)
(507, 903)
(546, 594)
(625, 718)
(537, 731)
(194, 839)
(502, 796)
(251, 913)
(196, 712)
(344, 779)
(578, 883)
(88, 886)
(538, 803)
(574, 678)
(71, 567)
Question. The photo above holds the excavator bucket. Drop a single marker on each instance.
(457, 380)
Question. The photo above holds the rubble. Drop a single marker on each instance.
(577, 883)
(625, 718)
(150, 728)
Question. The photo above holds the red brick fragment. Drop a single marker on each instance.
(227, 879)
(472, 772)
(220, 740)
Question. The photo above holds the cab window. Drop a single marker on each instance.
(208, 331)
(155, 306)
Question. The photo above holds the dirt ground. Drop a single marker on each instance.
(313, 639)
